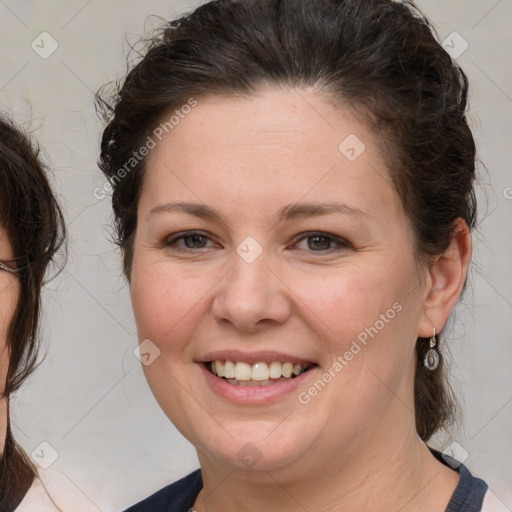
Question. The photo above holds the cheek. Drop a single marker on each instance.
(166, 301)
(8, 300)
(347, 300)
(366, 316)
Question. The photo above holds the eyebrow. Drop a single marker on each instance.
(292, 211)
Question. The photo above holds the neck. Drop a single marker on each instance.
(396, 473)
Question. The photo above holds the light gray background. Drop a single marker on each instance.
(89, 399)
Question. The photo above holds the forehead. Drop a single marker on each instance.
(279, 145)
(276, 122)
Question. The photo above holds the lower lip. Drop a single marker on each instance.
(251, 395)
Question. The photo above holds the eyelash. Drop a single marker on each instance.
(341, 244)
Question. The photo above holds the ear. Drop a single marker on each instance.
(445, 281)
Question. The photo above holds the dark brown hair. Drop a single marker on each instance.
(379, 58)
(34, 225)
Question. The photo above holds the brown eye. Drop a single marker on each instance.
(189, 242)
(195, 241)
(319, 243)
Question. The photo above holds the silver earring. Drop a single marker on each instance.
(431, 360)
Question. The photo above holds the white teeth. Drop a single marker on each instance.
(229, 369)
(287, 369)
(255, 383)
(243, 371)
(275, 370)
(219, 369)
(261, 373)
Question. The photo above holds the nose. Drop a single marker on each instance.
(251, 297)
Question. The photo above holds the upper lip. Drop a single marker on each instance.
(251, 357)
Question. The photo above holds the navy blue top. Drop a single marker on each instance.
(181, 495)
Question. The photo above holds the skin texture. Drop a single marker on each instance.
(354, 444)
(9, 290)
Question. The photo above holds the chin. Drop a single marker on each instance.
(257, 446)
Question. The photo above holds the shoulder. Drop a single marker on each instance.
(472, 494)
(469, 494)
(37, 499)
(470, 491)
(176, 497)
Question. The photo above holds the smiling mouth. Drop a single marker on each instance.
(258, 374)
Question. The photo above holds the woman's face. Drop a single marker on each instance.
(8, 299)
(267, 233)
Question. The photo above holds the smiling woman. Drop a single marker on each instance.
(31, 232)
(295, 247)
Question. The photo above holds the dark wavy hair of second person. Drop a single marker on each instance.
(31, 231)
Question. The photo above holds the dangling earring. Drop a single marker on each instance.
(431, 360)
